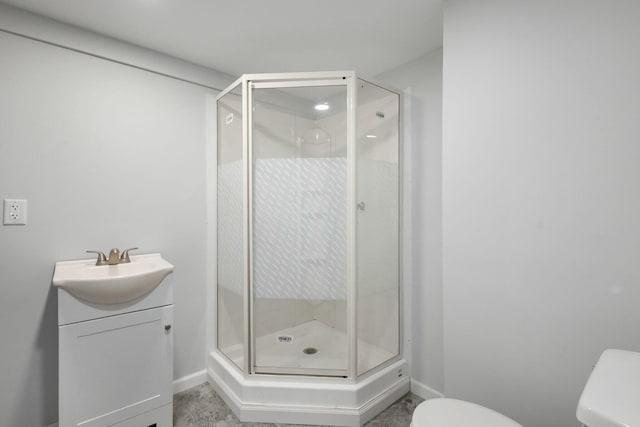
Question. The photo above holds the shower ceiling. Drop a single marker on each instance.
(237, 37)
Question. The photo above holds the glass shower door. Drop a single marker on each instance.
(377, 225)
(232, 276)
(298, 251)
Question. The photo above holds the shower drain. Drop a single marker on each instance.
(310, 350)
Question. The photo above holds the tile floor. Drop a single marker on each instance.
(200, 406)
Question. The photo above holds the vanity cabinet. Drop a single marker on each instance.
(116, 361)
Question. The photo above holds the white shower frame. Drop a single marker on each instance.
(390, 377)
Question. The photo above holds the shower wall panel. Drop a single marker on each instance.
(299, 252)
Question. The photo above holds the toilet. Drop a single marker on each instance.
(609, 399)
(444, 412)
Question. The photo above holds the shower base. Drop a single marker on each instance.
(330, 345)
(307, 400)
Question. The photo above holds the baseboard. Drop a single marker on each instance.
(383, 401)
(52, 425)
(424, 391)
(188, 381)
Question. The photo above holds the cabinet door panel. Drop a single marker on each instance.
(114, 368)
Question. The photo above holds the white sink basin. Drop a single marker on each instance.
(111, 284)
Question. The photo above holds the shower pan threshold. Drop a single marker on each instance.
(307, 400)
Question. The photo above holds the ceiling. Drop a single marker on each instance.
(252, 36)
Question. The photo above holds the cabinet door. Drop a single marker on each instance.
(114, 368)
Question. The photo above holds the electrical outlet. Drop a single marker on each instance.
(15, 212)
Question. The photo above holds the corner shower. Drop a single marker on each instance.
(308, 289)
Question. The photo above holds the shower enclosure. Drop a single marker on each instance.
(308, 229)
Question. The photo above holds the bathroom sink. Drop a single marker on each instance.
(111, 284)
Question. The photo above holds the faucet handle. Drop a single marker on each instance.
(102, 258)
(125, 255)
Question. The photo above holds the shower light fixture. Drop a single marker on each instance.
(370, 136)
(322, 107)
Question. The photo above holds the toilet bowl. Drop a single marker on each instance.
(443, 412)
(609, 399)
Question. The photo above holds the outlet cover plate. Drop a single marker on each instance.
(15, 212)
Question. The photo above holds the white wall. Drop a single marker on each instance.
(541, 199)
(107, 156)
(421, 81)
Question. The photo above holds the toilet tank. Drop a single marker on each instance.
(611, 397)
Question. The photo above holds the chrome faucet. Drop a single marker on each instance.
(115, 257)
